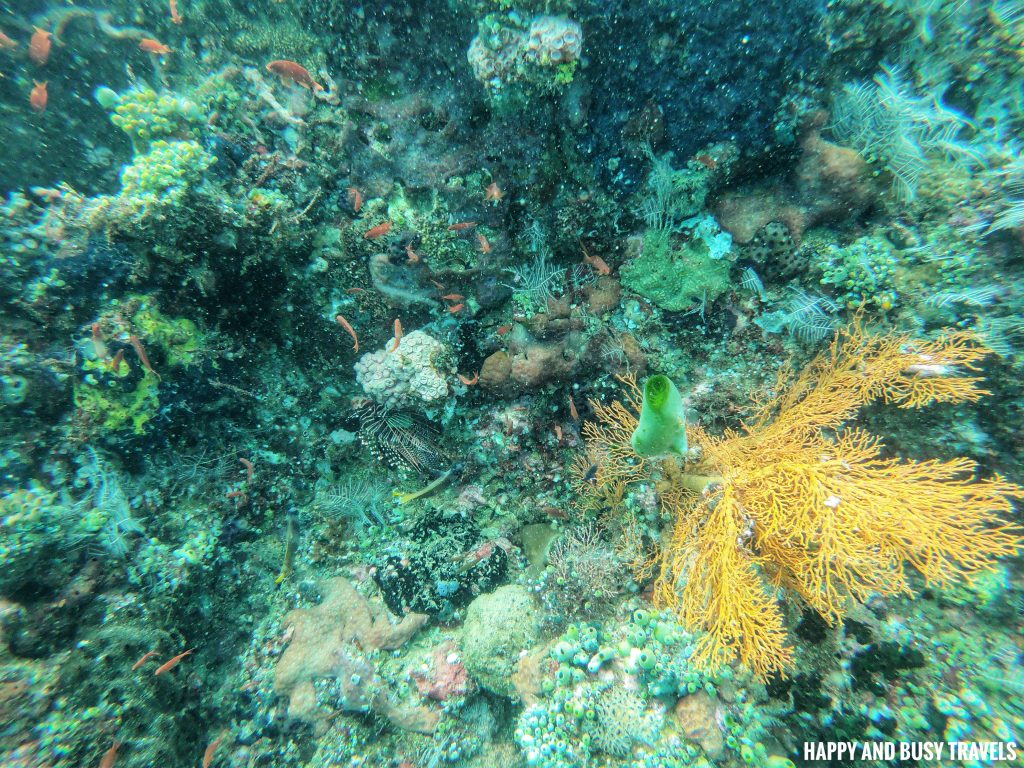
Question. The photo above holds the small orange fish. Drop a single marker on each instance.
(172, 663)
(558, 433)
(149, 45)
(707, 161)
(145, 657)
(437, 285)
(351, 331)
(6, 43)
(456, 308)
(599, 265)
(572, 409)
(355, 197)
(485, 245)
(38, 98)
(110, 756)
(414, 258)
(355, 290)
(39, 46)
(503, 329)
(289, 70)
(175, 16)
(115, 364)
(211, 749)
(379, 231)
(99, 346)
(493, 192)
(461, 226)
(470, 382)
(398, 334)
(141, 352)
(453, 297)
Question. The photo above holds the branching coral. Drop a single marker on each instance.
(797, 500)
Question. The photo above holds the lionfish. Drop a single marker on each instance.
(402, 439)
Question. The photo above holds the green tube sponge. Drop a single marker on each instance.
(662, 427)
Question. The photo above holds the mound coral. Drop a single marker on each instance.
(507, 51)
(801, 501)
(411, 372)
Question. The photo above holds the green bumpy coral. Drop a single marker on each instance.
(609, 695)
(862, 273)
(106, 406)
(680, 278)
(113, 398)
(158, 181)
(145, 115)
(177, 337)
(36, 526)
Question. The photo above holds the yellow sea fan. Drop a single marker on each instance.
(797, 501)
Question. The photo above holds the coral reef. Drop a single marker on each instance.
(629, 692)
(368, 370)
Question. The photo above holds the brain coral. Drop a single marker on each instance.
(415, 373)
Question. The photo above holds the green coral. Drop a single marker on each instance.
(862, 272)
(145, 115)
(13, 389)
(158, 181)
(35, 524)
(177, 337)
(676, 278)
(112, 398)
(105, 406)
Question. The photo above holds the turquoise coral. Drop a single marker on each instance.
(605, 694)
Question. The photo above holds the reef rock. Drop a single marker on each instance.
(499, 627)
(335, 641)
(830, 184)
(698, 719)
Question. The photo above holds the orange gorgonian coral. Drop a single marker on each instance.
(796, 500)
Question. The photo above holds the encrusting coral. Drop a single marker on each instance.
(333, 641)
(800, 501)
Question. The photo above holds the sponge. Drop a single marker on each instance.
(662, 427)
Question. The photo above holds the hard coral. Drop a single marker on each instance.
(554, 40)
(502, 54)
(413, 374)
(335, 640)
